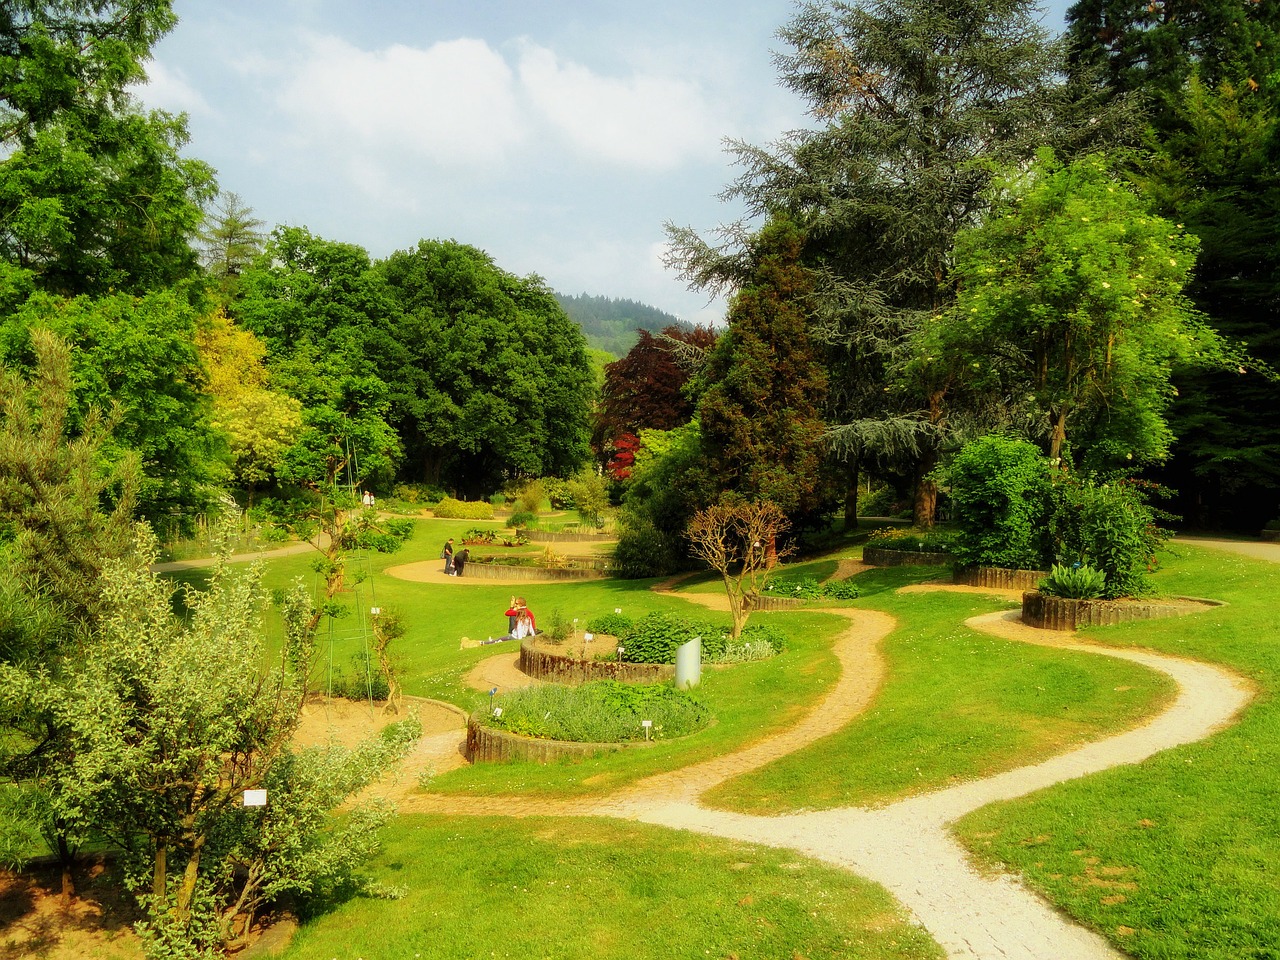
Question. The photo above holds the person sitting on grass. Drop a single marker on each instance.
(520, 623)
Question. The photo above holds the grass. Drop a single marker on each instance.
(955, 705)
(590, 888)
(1176, 857)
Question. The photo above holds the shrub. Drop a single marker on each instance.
(1076, 582)
(364, 681)
(605, 711)
(478, 535)
(522, 518)
(1000, 499)
(612, 624)
(800, 588)
(644, 550)
(1110, 527)
(758, 641)
(656, 636)
(452, 509)
(840, 590)
(881, 502)
(1272, 525)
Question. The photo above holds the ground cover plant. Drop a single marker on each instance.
(1175, 857)
(955, 704)
(566, 889)
(604, 711)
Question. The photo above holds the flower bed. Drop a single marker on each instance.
(1062, 613)
(509, 571)
(489, 745)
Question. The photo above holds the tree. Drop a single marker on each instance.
(135, 355)
(63, 513)
(231, 238)
(1071, 308)
(645, 390)
(916, 100)
(490, 379)
(739, 540)
(761, 428)
(170, 722)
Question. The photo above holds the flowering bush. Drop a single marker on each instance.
(905, 538)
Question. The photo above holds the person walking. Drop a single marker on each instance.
(447, 556)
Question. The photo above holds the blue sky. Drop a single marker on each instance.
(557, 136)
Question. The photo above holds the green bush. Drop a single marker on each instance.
(840, 590)
(656, 636)
(451, 509)
(797, 587)
(880, 502)
(999, 490)
(522, 518)
(364, 681)
(1109, 526)
(612, 624)
(604, 711)
(758, 641)
(1076, 582)
(643, 550)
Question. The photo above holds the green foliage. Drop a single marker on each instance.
(999, 490)
(363, 682)
(760, 412)
(655, 637)
(522, 518)
(609, 324)
(590, 494)
(880, 502)
(758, 641)
(667, 487)
(1076, 582)
(604, 711)
(1071, 303)
(797, 587)
(557, 628)
(612, 624)
(841, 589)
(452, 509)
(1110, 527)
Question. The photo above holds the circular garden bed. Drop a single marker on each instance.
(560, 663)
(1062, 613)
(883, 557)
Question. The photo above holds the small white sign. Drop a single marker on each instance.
(646, 724)
(617, 609)
(375, 610)
(588, 637)
(255, 798)
(497, 711)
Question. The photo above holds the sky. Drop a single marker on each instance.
(559, 136)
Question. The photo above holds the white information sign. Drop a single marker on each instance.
(255, 798)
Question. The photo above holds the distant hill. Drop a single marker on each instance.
(610, 325)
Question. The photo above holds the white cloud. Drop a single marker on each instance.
(452, 103)
(645, 121)
(168, 89)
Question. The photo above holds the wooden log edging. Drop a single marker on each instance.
(999, 578)
(1062, 613)
(489, 745)
(510, 571)
(771, 602)
(566, 536)
(563, 667)
(882, 557)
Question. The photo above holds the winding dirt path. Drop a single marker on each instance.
(906, 846)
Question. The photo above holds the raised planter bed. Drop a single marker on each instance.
(999, 578)
(768, 601)
(560, 665)
(1061, 613)
(510, 571)
(488, 745)
(881, 557)
(567, 536)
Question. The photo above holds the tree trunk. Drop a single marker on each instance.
(926, 499)
(187, 889)
(159, 876)
(852, 477)
(67, 861)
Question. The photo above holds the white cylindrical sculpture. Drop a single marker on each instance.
(689, 664)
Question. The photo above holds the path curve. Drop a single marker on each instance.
(907, 846)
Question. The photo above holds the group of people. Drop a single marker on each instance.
(369, 500)
(454, 563)
(520, 620)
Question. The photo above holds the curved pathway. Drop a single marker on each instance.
(906, 846)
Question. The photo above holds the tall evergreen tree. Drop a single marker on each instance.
(761, 426)
(915, 100)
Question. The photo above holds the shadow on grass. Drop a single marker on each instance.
(879, 580)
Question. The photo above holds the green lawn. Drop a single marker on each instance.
(568, 889)
(1182, 850)
(1178, 857)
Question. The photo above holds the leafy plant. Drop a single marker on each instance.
(612, 624)
(1000, 499)
(916, 541)
(522, 518)
(656, 636)
(841, 590)
(800, 588)
(1076, 582)
(605, 711)
(452, 509)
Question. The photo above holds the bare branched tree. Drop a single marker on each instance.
(740, 542)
